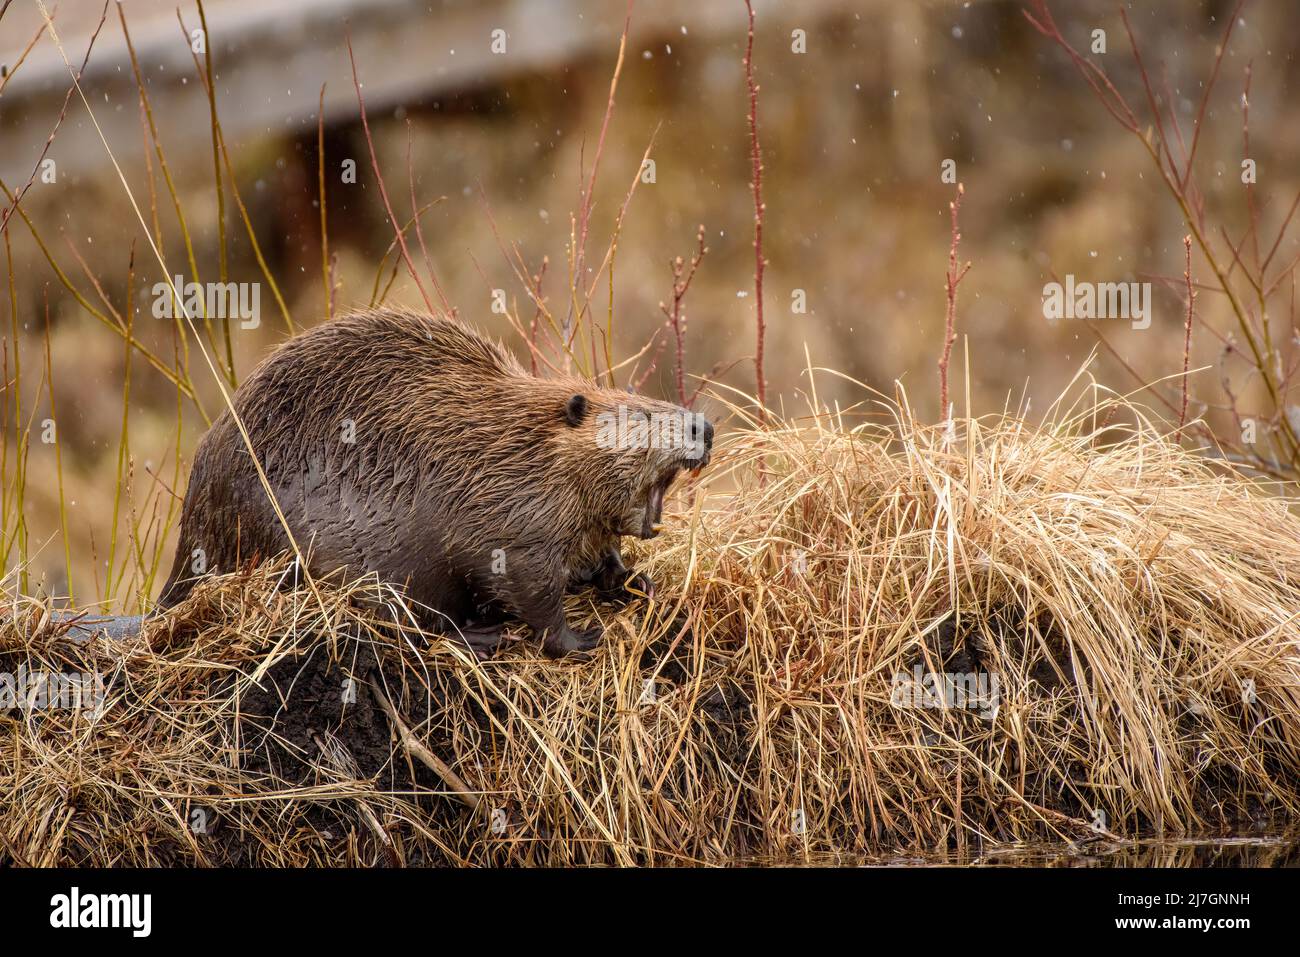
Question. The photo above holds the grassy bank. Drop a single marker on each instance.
(1127, 608)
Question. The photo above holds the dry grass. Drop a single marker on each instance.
(1124, 592)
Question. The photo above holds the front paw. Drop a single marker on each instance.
(629, 588)
(566, 641)
(482, 639)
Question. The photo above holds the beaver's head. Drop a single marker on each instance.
(635, 448)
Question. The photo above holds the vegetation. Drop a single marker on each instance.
(1121, 588)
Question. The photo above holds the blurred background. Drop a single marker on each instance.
(500, 106)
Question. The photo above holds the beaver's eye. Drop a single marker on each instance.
(575, 410)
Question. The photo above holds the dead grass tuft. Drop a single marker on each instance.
(1132, 605)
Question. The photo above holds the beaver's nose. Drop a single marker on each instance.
(702, 431)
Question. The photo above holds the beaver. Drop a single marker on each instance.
(411, 447)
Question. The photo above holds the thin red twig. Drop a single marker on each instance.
(419, 230)
(383, 192)
(683, 273)
(18, 196)
(954, 276)
(757, 185)
(584, 207)
(1187, 334)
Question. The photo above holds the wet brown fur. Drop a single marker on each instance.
(479, 487)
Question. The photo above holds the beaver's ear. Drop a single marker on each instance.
(575, 410)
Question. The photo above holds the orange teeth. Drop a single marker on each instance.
(657, 527)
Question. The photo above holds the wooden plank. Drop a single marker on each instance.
(271, 57)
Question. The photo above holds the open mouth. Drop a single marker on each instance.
(654, 504)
